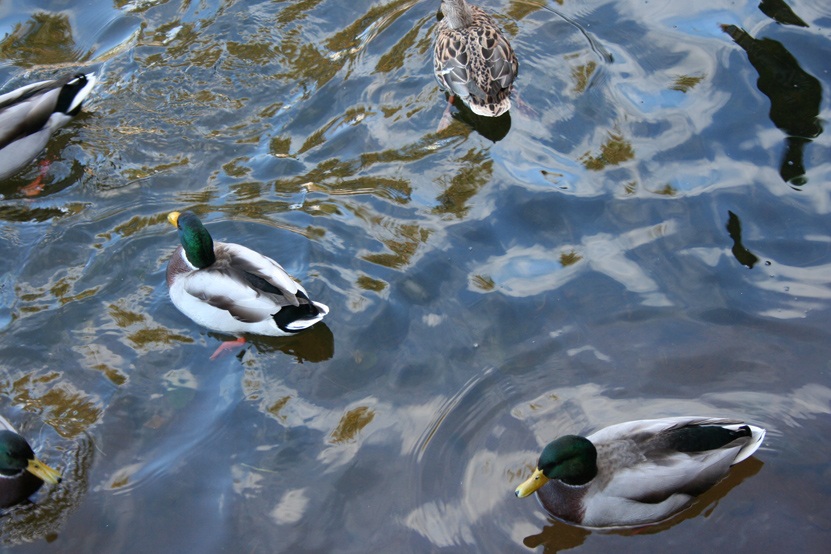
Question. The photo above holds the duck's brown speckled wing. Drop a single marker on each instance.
(476, 63)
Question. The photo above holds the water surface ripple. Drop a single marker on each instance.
(646, 234)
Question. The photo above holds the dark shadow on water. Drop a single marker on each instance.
(557, 537)
(794, 95)
(780, 12)
(560, 536)
(734, 229)
(492, 128)
(792, 168)
(312, 345)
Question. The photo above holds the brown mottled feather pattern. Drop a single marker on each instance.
(477, 63)
(176, 266)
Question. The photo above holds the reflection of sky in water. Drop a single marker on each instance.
(486, 294)
(534, 270)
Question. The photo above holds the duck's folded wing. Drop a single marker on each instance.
(229, 291)
(644, 429)
(654, 432)
(261, 272)
(449, 62)
(500, 61)
(666, 473)
(21, 119)
(15, 95)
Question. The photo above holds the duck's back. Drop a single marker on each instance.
(476, 63)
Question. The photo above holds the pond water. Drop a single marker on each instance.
(646, 234)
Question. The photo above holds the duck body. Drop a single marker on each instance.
(30, 115)
(473, 60)
(233, 289)
(639, 472)
(21, 473)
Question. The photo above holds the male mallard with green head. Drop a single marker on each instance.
(230, 288)
(21, 473)
(639, 472)
(473, 60)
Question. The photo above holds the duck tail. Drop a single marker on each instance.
(757, 435)
(74, 91)
(292, 319)
(494, 109)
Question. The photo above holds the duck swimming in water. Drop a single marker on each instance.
(473, 60)
(30, 114)
(21, 473)
(230, 288)
(639, 472)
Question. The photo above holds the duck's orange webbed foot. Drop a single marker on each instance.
(226, 347)
(36, 187)
(446, 118)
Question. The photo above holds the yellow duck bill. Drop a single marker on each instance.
(43, 472)
(531, 484)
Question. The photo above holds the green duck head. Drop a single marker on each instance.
(17, 456)
(570, 459)
(196, 240)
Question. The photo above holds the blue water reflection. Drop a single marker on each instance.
(648, 236)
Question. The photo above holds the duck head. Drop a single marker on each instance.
(570, 459)
(16, 456)
(196, 240)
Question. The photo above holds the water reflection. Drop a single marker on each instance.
(528, 271)
(448, 253)
(46, 39)
(742, 254)
(557, 537)
(781, 12)
(314, 345)
(795, 97)
(60, 403)
(462, 460)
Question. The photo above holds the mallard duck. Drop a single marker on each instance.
(29, 115)
(638, 472)
(473, 60)
(233, 289)
(21, 474)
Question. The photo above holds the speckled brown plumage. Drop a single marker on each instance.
(472, 59)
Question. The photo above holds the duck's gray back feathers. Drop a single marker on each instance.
(247, 288)
(30, 114)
